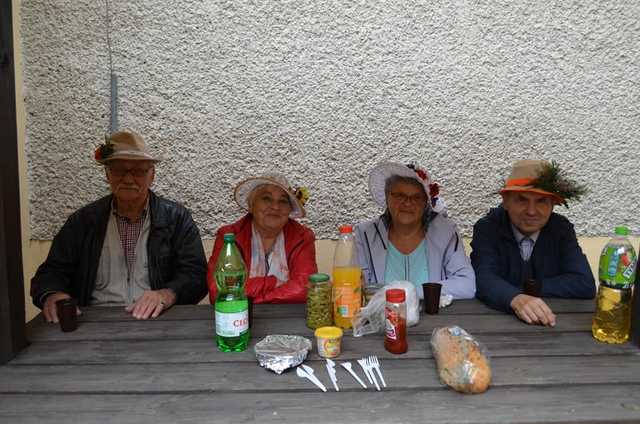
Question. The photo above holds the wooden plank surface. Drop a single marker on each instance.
(231, 377)
(205, 312)
(204, 350)
(153, 329)
(583, 403)
(116, 369)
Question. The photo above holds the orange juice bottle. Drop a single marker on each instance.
(347, 285)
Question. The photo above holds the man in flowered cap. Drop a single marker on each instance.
(131, 248)
(523, 251)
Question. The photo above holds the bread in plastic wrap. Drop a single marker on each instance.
(463, 363)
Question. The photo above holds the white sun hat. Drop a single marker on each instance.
(385, 170)
(297, 197)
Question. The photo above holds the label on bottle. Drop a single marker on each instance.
(347, 300)
(232, 324)
(232, 318)
(391, 323)
(617, 267)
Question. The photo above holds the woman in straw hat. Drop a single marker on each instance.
(412, 240)
(279, 252)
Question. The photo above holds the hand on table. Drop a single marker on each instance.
(49, 308)
(533, 310)
(152, 303)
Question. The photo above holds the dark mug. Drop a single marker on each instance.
(532, 287)
(431, 297)
(67, 314)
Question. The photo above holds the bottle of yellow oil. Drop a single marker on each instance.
(617, 269)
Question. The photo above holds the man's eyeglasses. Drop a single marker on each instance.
(414, 199)
(121, 172)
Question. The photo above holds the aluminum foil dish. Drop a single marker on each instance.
(277, 352)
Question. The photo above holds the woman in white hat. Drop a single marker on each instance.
(412, 240)
(279, 252)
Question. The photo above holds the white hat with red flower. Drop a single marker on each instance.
(385, 170)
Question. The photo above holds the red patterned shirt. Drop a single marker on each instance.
(129, 233)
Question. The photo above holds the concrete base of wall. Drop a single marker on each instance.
(38, 251)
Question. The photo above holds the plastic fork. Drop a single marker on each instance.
(369, 370)
(373, 360)
(366, 369)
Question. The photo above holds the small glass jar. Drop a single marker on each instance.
(319, 303)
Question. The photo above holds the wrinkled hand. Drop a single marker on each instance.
(152, 303)
(49, 308)
(533, 310)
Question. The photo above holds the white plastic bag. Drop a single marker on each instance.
(370, 319)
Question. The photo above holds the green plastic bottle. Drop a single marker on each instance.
(616, 272)
(232, 307)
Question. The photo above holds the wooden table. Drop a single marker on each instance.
(117, 370)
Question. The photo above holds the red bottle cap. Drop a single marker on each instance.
(395, 295)
(345, 229)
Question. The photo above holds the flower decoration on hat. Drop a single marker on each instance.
(104, 150)
(302, 194)
(421, 173)
(434, 188)
(553, 180)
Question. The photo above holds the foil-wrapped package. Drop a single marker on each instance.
(277, 352)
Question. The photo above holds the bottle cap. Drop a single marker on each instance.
(229, 237)
(622, 231)
(318, 278)
(395, 295)
(345, 229)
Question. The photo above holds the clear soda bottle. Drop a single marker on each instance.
(232, 306)
(347, 285)
(616, 273)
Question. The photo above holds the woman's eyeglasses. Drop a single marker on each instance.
(413, 199)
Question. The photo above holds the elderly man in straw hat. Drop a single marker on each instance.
(524, 243)
(279, 251)
(130, 248)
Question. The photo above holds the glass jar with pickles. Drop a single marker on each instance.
(319, 305)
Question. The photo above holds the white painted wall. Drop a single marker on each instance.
(323, 90)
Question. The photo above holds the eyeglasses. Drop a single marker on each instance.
(136, 172)
(403, 198)
(279, 203)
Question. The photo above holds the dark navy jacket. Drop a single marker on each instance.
(557, 261)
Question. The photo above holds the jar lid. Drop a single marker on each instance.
(344, 229)
(318, 278)
(329, 332)
(622, 231)
(395, 295)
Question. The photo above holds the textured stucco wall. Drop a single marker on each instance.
(323, 90)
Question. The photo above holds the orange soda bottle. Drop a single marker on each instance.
(347, 285)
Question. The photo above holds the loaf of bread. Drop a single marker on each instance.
(463, 364)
